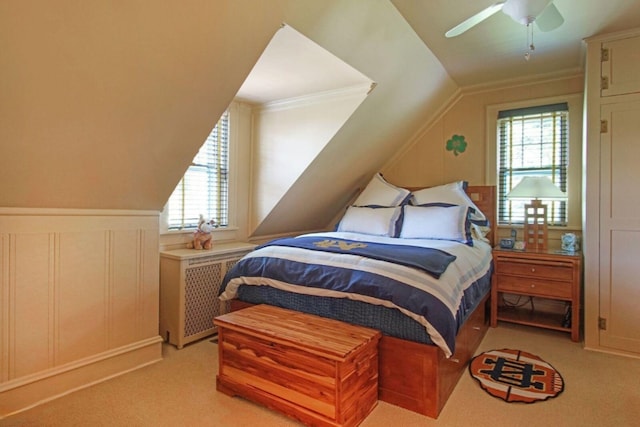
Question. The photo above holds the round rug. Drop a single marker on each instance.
(516, 376)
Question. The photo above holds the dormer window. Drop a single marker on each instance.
(204, 189)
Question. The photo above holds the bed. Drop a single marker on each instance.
(432, 316)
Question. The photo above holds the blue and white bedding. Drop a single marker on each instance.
(439, 305)
(430, 260)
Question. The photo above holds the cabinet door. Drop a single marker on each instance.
(620, 226)
(620, 67)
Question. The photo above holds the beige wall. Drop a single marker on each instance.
(287, 137)
(424, 161)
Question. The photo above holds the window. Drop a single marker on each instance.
(204, 189)
(532, 141)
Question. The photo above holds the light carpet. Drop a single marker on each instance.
(601, 390)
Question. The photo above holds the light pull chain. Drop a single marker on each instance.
(530, 46)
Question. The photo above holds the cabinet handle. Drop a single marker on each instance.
(476, 328)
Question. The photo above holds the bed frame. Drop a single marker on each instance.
(418, 376)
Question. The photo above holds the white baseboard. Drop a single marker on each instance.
(25, 393)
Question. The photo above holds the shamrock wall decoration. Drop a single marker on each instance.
(457, 144)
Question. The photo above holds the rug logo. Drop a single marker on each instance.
(516, 376)
(513, 372)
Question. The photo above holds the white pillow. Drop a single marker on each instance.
(380, 193)
(377, 221)
(449, 195)
(437, 222)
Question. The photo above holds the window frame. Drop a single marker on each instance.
(207, 170)
(574, 168)
(516, 129)
(239, 153)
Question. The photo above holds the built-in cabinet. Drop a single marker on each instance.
(612, 193)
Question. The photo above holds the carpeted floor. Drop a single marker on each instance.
(600, 390)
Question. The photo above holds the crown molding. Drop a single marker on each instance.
(523, 81)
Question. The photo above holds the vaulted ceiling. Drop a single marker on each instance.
(104, 104)
(489, 52)
(494, 49)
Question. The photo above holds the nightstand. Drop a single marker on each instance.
(551, 275)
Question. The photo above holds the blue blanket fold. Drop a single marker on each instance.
(430, 260)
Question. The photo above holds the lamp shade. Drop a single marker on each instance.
(536, 187)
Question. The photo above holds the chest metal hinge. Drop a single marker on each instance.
(604, 126)
(604, 54)
(602, 323)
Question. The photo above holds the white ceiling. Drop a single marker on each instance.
(292, 66)
(494, 50)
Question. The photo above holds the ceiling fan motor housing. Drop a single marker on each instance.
(524, 11)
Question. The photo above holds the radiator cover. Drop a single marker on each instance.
(190, 281)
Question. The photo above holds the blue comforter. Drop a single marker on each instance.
(430, 260)
(303, 267)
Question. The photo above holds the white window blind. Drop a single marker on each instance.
(532, 142)
(204, 189)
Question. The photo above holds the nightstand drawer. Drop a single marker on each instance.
(558, 271)
(534, 287)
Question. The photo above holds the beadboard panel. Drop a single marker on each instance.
(82, 295)
(29, 319)
(76, 287)
(124, 285)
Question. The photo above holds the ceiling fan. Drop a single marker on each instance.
(525, 12)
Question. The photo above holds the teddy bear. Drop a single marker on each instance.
(202, 237)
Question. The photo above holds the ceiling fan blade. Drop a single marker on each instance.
(474, 20)
(549, 19)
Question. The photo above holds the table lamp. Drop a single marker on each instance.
(536, 188)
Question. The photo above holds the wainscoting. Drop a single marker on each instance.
(79, 295)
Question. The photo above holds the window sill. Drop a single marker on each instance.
(219, 230)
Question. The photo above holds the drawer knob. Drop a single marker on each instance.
(533, 270)
(533, 286)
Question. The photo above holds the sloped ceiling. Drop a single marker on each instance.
(494, 49)
(411, 86)
(292, 66)
(104, 104)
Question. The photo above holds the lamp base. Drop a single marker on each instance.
(535, 226)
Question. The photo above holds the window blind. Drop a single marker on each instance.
(532, 142)
(204, 189)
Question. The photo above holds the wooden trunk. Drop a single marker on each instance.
(416, 376)
(319, 371)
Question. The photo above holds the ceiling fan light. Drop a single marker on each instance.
(524, 11)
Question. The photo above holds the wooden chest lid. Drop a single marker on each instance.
(326, 337)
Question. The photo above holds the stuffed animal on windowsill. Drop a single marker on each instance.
(203, 236)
